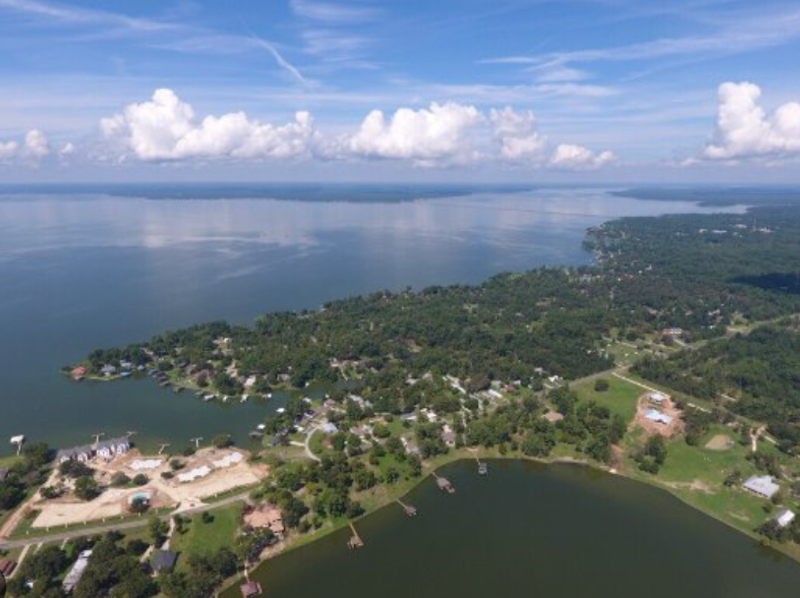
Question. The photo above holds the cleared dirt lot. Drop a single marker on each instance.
(667, 407)
(114, 502)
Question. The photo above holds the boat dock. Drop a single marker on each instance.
(483, 468)
(355, 540)
(410, 510)
(444, 484)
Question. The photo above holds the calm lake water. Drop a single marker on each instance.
(534, 531)
(82, 270)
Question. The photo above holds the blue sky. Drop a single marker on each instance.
(592, 90)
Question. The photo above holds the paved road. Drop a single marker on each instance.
(125, 525)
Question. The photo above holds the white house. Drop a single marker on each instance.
(784, 518)
(762, 486)
(108, 449)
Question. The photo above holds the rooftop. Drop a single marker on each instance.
(164, 560)
(762, 485)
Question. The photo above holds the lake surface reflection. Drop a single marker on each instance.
(82, 271)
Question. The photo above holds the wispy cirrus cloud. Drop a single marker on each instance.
(732, 35)
(176, 37)
(328, 12)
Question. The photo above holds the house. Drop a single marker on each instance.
(553, 416)
(329, 428)
(657, 416)
(762, 486)
(108, 370)
(251, 589)
(108, 449)
(266, 516)
(75, 574)
(3, 474)
(164, 561)
(79, 372)
(672, 332)
(784, 518)
(657, 397)
(448, 436)
(84, 454)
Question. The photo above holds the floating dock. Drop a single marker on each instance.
(444, 484)
(355, 540)
(410, 510)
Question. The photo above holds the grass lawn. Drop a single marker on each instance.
(696, 463)
(203, 538)
(620, 397)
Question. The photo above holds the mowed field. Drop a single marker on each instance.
(204, 538)
(620, 398)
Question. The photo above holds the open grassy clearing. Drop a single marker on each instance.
(620, 398)
(204, 538)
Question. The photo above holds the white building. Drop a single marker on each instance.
(75, 574)
(658, 417)
(784, 518)
(762, 486)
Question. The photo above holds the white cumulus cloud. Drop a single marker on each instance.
(441, 135)
(575, 157)
(166, 128)
(34, 147)
(438, 135)
(745, 130)
(517, 135)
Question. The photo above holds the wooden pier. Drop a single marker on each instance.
(444, 484)
(355, 540)
(410, 510)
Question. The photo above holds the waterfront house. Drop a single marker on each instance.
(84, 454)
(75, 574)
(762, 486)
(108, 449)
(164, 561)
(266, 516)
(108, 370)
(784, 518)
(78, 373)
(449, 437)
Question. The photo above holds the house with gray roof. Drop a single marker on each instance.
(164, 561)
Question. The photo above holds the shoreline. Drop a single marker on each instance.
(468, 455)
